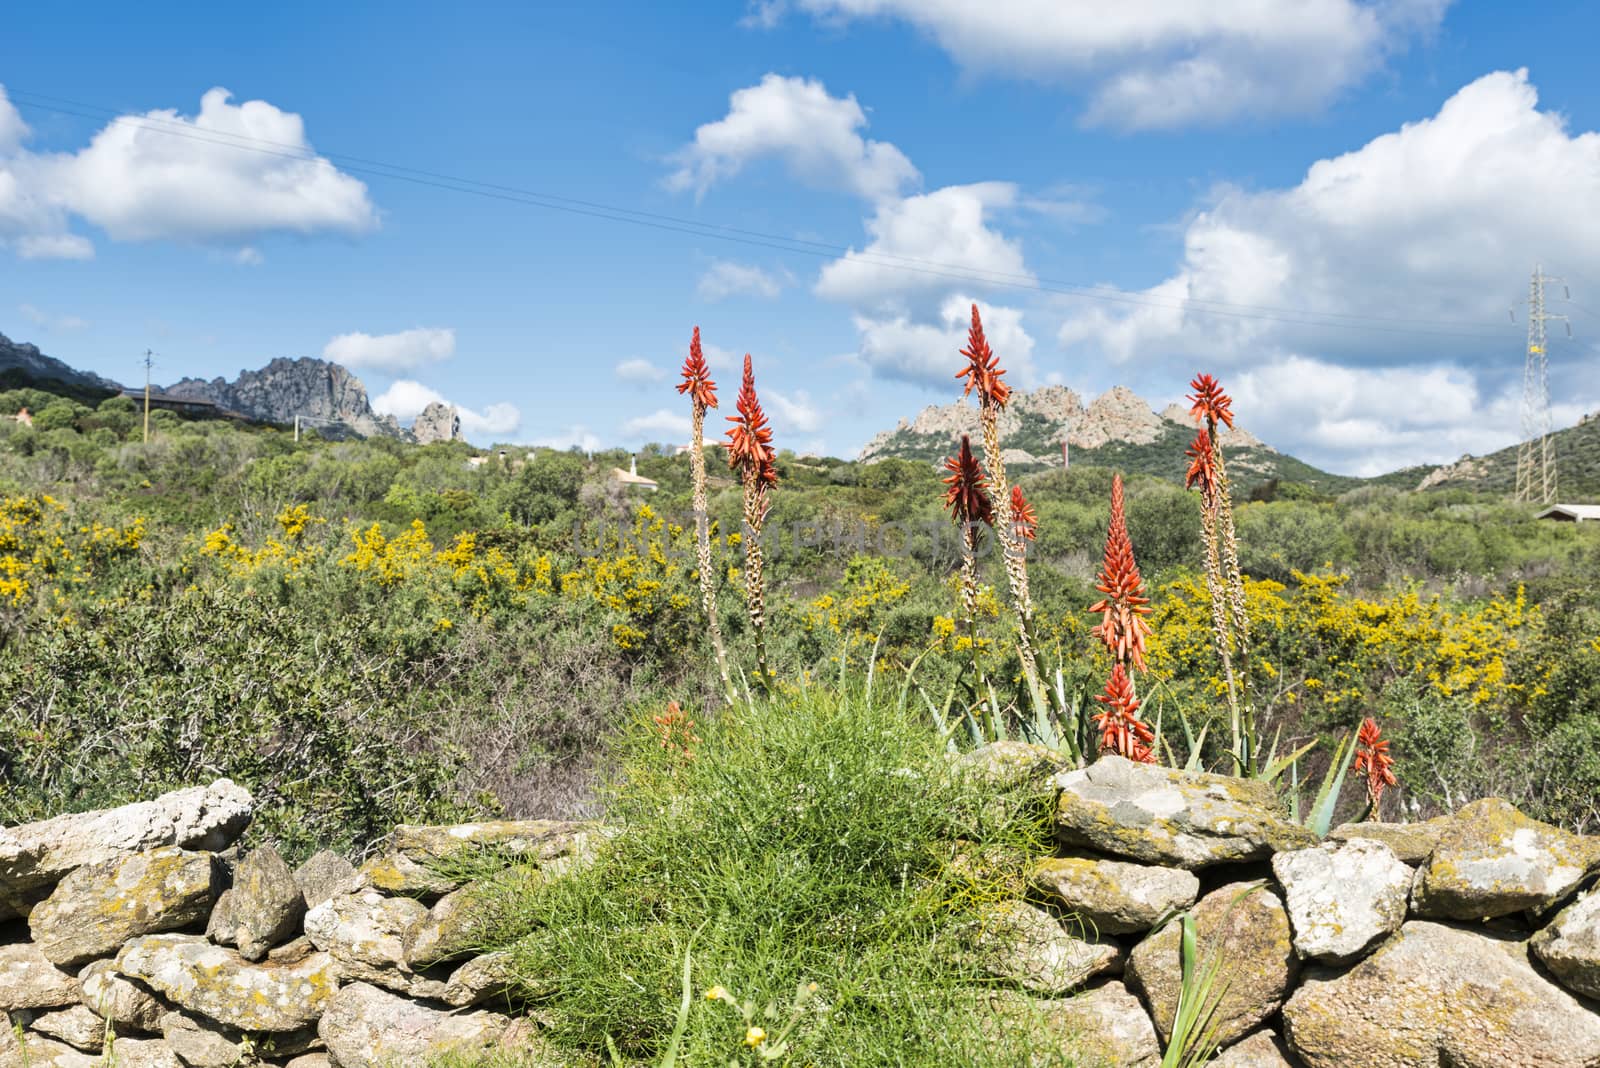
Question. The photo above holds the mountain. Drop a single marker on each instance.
(1577, 453)
(25, 365)
(1117, 429)
(325, 395)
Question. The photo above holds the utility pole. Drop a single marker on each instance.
(149, 362)
(1536, 461)
(297, 428)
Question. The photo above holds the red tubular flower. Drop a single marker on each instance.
(1373, 759)
(968, 495)
(750, 438)
(983, 369)
(1202, 463)
(1210, 403)
(1121, 730)
(697, 376)
(1121, 627)
(1022, 515)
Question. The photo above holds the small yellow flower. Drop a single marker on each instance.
(754, 1037)
(445, 624)
(716, 993)
(811, 988)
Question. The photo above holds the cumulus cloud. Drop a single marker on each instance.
(1160, 63)
(162, 175)
(640, 372)
(794, 120)
(918, 243)
(403, 351)
(576, 436)
(406, 399)
(929, 353)
(725, 279)
(663, 424)
(792, 413)
(48, 321)
(1421, 238)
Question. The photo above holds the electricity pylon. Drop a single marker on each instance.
(1536, 459)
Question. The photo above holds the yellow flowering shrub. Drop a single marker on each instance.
(43, 555)
(860, 604)
(643, 579)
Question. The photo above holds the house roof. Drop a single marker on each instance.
(630, 479)
(1572, 511)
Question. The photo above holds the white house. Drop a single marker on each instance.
(1571, 513)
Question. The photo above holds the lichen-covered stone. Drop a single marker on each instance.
(479, 979)
(219, 985)
(1342, 898)
(201, 1044)
(1411, 842)
(75, 1025)
(397, 873)
(530, 840)
(1025, 945)
(220, 926)
(30, 980)
(365, 932)
(1159, 815)
(1264, 1049)
(319, 877)
(458, 923)
(1436, 995)
(1102, 1026)
(111, 997)
(93, 911)
(202, 818)
(1114, 896)
(1005, 766)
(365, 1027)
(1570, 945)
(1244, 924)
(266, 903)
(30, 1050)
(1491, 860)
(144, 1053)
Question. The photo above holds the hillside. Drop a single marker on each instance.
(23, 365)
(1577, 451)
(1117, 429)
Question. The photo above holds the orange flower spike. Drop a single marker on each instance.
(1023, 516)
(1121, 730)
(1210, 403)
(697, 376)
(983, 370)
(1202, 464)
(1121, 628)
(1373, 759)
(968, 495)
(750, 438)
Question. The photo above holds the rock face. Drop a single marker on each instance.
(37, 855)
(1438, 994)
(365, 931)
(1342, 899)
(437, 422)
(1244, 925)
(1261, 1050)
(30, 980)
(319, 877)
(1113, 896)
(1570, 945)
(218, 984)
(323, 391)
(366, 1027)
(1492, 860)
(1164, 816)
(265, 905)
(16, 356)
(1029, 947)
(99, 907)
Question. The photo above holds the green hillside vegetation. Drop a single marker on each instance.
(1577, 453)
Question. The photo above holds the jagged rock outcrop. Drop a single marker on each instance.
(17, 356)
(327, 395)
(437, 422)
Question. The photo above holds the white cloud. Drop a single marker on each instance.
(48, 321)
(929, 353)
(726, 279)
(792, 413)
(663, 424)
(1436, 225)
(163, 175)
(406, 399)
(1156, 63)
(249, 256)
(402, 351)
(796, 121)
(640, 372)
(928, 243)
(577, 436)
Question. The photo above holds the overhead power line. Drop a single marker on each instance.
(740, 235)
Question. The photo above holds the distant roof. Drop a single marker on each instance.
(156, 396)
(1580, 512)
(631, 479)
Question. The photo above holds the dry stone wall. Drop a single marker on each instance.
(144, 937)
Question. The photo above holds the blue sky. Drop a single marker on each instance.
(1331, 204)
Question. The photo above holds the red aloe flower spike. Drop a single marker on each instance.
(1022, 515)
(968, 495)
(983, 371)
(1373, 760)
(1202, 464)
(1121, 627)
(1121, 730)
(1210, 403)
(750, 438)
(697, 376)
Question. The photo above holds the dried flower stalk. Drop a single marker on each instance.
(702, 393)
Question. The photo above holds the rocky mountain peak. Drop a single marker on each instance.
(437, 422)
(31, 363)
(324, 394)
